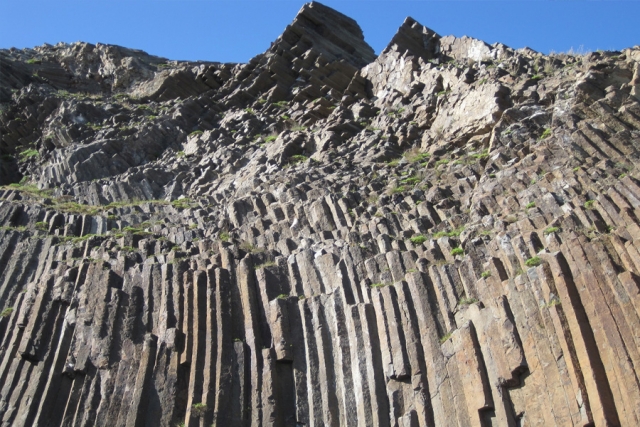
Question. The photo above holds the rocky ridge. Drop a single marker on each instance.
(443, 234)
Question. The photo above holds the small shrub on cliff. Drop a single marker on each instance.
(298, 158)
(457, 251)
(20, 228)
(467, 301)
(398, 189)
(132, 230)
(589, 204)
(552, 303)
(511, 219)
(533, 262)
(413, 180)
(484, 154)
(265, 264)
(415, 156)
(418, 240)
(29, 154)
(445, 338)
(181, 203)
(545, 134)
(79, 208)
(378, 285)
(32, 190)
(551, 230)
(453, 233)
(6, 312)
(249, 247)
(199, 409)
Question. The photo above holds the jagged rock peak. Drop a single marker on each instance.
(414, 38)
(334, 35)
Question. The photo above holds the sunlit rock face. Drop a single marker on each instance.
(442, 234)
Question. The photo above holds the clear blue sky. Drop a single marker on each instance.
(235, 31)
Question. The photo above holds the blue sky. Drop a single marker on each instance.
(235, 31)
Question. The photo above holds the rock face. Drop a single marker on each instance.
(445, 234)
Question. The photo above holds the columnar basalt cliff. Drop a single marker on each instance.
(447, 234)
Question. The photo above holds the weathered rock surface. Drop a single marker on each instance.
(445, 234)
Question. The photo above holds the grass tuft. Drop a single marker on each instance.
(467, 301)
(533, 262)
(457, 251)
(199, 409)
(551, 230)
(398, 189)
(418, 240)
(454, 233)
(378, 285)
(265, 264)
(29, 154)
(445, 338)
(545, 134)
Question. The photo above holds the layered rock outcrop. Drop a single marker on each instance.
(444, 234)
